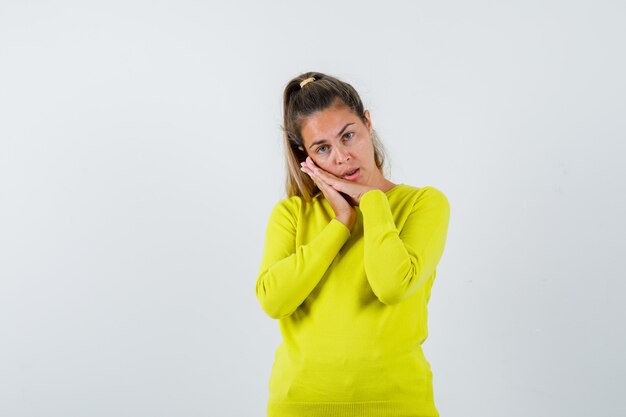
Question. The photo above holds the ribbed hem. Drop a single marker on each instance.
(351, 409)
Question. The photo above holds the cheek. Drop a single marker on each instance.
(368, 153)
(325, 165)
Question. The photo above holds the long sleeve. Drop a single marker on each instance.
(398, 263)
(288, 274)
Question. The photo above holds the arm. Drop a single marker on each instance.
(288, 273)
(397, 264)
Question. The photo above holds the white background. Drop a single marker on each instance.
(141, 155)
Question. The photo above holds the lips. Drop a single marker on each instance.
(349, 172)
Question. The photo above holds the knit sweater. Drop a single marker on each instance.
(352, 305)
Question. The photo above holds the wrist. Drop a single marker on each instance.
(347, 219)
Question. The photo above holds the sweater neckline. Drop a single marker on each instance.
(394, 187)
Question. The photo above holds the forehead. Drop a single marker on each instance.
(326, 123)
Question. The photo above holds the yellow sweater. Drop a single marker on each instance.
(351, 306)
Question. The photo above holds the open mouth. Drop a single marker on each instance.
(349, 175)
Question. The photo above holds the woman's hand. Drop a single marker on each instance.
(352, 189)
(344, 212)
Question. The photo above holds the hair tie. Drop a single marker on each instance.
(305, 82)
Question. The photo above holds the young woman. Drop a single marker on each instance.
(348, 264)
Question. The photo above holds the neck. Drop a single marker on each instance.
(383, 183)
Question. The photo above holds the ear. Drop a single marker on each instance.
(369, 120)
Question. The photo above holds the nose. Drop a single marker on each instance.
(342, 155)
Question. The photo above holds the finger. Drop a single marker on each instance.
(313, 171)
(313, 176)
(325, 175)
(306, 164)
(324, 180)
(330, 179)
(305, 168)
(320, 172)
(322, 185)
(311, 163)
(314, 167)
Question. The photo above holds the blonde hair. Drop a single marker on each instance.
(301, 102)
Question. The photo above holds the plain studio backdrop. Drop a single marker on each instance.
(141, 156)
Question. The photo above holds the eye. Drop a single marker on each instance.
(349, 133)
(318, 149)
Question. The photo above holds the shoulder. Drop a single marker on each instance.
(286, 210)
(426, 190)
(289, 202)
(426, 196)
(288, 205)
(433, 193)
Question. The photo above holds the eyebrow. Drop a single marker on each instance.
(317, 142)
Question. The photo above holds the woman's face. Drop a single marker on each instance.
(338, 141)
